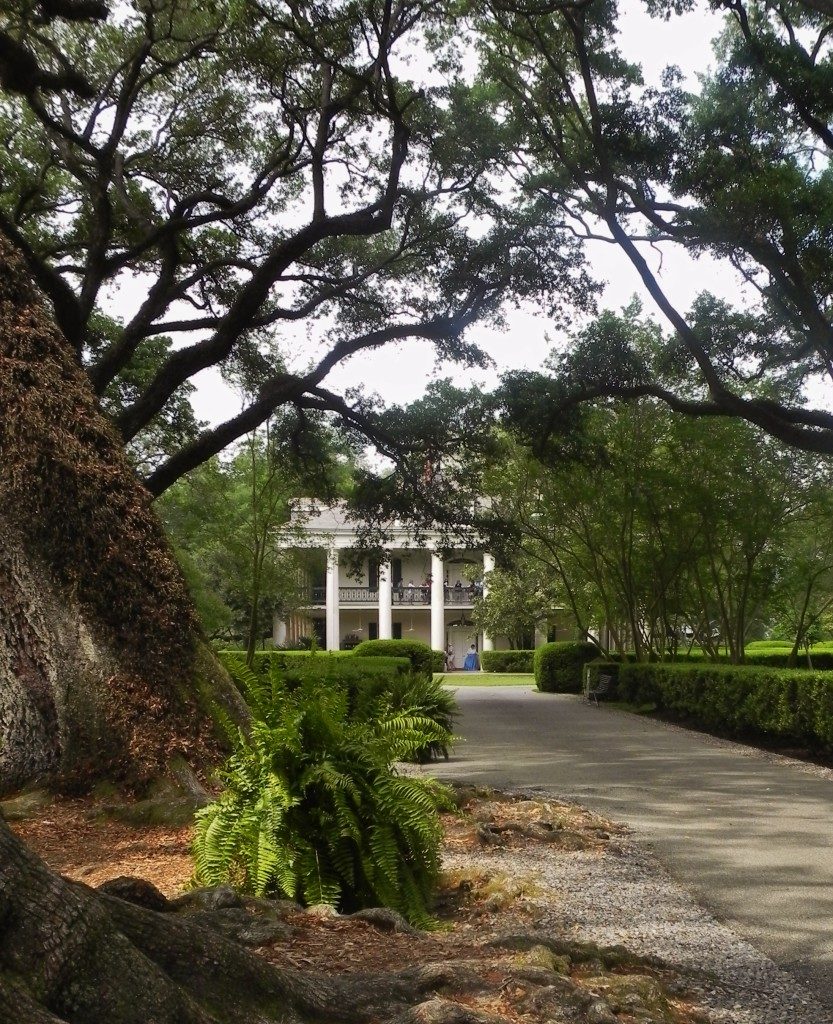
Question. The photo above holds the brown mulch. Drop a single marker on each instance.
(76, 840)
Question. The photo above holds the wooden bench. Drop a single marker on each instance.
(601, 689)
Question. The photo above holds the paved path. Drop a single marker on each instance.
(749, 835)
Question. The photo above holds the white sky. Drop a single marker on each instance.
(400, 373)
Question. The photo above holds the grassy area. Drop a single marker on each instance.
(486, 678)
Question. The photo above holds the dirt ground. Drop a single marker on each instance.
(472, 909)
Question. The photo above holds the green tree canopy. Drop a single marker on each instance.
(738, 169)
(663, 529)
(260, 170)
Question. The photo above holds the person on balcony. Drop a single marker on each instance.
(411, 591)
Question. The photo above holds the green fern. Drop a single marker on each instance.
(314, 808)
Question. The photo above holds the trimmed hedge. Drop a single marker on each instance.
(559, 666)
(507, 661)
(327, 664)
(422, 658)
(778, 658)
(738, 700)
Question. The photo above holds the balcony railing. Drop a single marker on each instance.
(400, 595)
(346, 595)
(411, 595)
(358, 595)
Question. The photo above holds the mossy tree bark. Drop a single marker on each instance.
(103, 674)
(102, 669)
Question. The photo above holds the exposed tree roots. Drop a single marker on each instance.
(71, 954)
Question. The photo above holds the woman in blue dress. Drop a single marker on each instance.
(470, 664)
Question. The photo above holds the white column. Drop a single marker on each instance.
(332, 595)
(488, 566)
(385, 602)
(278, 631)
(437, 603)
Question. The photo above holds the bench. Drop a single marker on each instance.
(601, 689)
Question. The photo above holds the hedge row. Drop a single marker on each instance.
(507, 661)
(559, 667)
(732, 700)
(762, 645)
(779, 658)
(418, 656)
(326, 664)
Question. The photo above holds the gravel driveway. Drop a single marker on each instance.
(746, 834)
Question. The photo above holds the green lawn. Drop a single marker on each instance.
(486, 678)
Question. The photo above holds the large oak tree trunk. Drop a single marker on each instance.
(102, 669)
(103, 674)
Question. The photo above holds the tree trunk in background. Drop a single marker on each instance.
(102, 669)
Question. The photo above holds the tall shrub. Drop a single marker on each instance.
(558, 666)
(422, 658)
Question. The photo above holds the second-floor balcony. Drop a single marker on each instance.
(401, 594)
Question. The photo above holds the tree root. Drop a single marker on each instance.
(73, 955)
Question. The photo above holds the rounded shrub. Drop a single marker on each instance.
(507, 661)
(559, 666)
(422, 658)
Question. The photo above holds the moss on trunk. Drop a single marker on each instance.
(102, 668)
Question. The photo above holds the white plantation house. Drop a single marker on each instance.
(416, 594)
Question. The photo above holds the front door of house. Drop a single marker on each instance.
(461, 638)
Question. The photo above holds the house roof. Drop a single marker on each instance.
(316, 524)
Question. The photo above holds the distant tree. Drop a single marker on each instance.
(658, 528)
(514, 604)
(229, 521)
(803, 600)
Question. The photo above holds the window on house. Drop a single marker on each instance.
(373, 630)
(397, 630)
